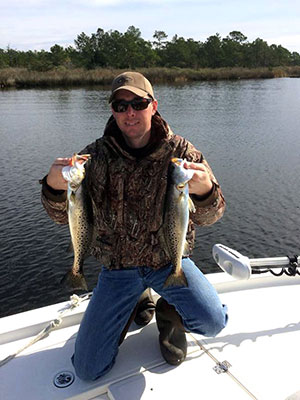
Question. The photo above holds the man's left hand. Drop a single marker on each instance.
(200, 184)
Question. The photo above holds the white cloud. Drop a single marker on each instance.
(290, 42)
(141, 3)
(36, 24)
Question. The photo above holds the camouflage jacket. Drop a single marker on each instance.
(128, 195)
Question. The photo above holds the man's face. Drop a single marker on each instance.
(135, 125)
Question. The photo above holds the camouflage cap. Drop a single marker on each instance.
(134, 82)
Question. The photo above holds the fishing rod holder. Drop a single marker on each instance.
(241, 267)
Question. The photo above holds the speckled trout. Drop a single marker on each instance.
(80, 216)
(176, 218)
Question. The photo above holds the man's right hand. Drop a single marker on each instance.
(54, 177)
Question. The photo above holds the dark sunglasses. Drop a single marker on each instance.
(120, 106)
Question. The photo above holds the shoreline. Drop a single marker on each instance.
(21, 78)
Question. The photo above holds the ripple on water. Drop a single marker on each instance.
(247, 130)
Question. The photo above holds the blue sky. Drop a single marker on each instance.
(39, 24)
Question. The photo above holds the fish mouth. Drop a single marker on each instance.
(184, 174)
(79, 158)
(177, 161)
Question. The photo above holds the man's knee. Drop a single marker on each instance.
(208, 323)
(216, 322)
(89, 371)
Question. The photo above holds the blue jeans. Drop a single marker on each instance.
(114, 299)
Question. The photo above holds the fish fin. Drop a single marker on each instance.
(186, 249)
(174, 279)
(191, 205)
(76, 281)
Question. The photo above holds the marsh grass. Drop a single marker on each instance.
(63, 77)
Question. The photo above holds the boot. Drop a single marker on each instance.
(142, 314)
(146, 308)
(172, 340)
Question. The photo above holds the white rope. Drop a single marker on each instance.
(206, 351)
(54, 324)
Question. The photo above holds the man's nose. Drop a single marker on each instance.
(130, 110)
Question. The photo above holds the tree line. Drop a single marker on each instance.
(113, 49)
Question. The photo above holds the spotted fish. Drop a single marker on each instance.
(176, 217)
(80, 217)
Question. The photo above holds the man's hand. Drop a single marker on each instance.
(55, 178)
(200, 184)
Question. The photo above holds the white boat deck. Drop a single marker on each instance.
(261, 342)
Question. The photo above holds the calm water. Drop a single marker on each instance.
(248, 131)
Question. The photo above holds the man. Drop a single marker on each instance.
(127, 182)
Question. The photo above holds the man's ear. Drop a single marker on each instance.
(154, 107)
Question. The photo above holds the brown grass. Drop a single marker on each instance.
(62, 77)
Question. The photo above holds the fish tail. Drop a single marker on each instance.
(176, 279)
(76, 281)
